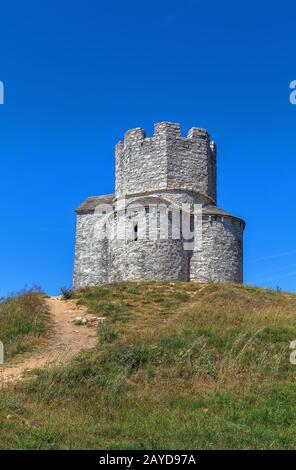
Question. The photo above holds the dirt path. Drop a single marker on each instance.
(65, 341)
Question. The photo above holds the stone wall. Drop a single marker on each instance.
(91, 253)
(163, 171)
(221, 255)
(141, 164)
(192, 163)
(148, 260)
(166, 160)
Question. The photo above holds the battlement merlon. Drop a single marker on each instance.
(134, 135)
(164, 130)
(166, 160)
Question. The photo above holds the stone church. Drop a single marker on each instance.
(137, 233)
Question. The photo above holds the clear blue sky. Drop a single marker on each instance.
(77, 74)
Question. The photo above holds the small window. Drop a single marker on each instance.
(135, 232)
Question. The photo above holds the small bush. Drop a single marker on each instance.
(183, 296)
(121, 315)
(107, 333)
(133, 357)
(132, 290)
(67, 293)
(108, 308)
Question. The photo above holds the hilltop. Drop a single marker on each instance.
(175, 365)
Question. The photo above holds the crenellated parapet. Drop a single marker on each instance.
(166, 161)
(139, 232)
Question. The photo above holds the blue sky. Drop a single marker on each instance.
(78, 74)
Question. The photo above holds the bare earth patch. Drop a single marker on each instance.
(66, 340)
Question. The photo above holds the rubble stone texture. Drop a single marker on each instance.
(154, 178)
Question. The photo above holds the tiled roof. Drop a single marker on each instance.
(90, 203)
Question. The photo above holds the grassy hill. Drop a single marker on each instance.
(177, 365)
(24, 323)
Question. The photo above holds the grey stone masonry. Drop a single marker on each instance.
(137, 233)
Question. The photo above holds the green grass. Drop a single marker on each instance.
(107, 333)
(191, 367)
(24, 322)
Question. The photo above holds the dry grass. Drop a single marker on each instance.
(214, 334)
(24, 323)
(177, 365)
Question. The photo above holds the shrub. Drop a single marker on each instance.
(132, 290)
(183, 296)
(67, 293)
(134, 356)
(107, 333)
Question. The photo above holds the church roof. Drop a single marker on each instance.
(214, 210)
(91, 203)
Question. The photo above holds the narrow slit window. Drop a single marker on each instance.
(135, 232)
